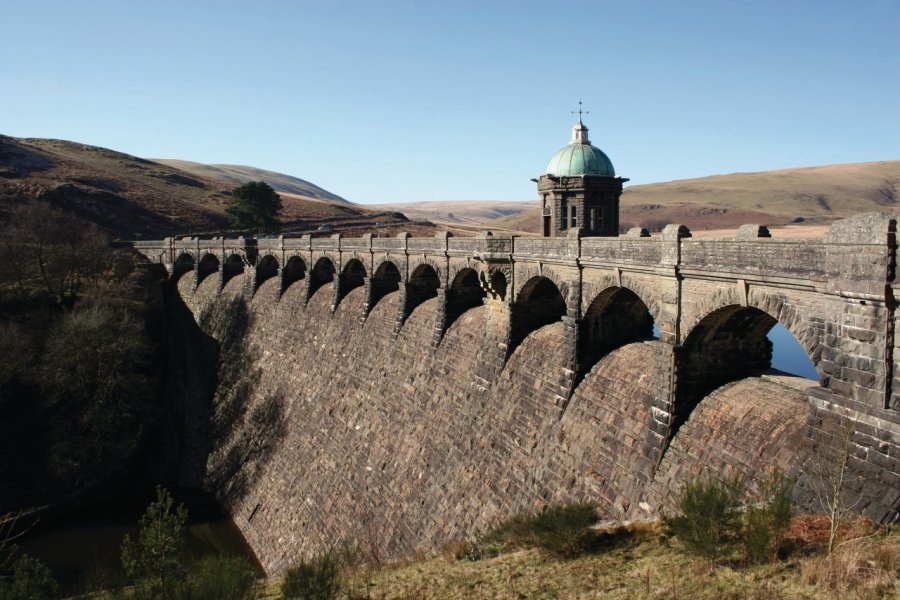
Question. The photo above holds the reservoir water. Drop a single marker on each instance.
(83, 546)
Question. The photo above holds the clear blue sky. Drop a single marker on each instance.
(398, 101)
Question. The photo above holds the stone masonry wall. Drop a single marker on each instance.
(336, 431)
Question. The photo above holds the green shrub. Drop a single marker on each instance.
(314, 579)
(765, 522)
(564, 531)
(710, 515)
(30, 580)
(219, 578)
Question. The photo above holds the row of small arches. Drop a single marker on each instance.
(726, 344)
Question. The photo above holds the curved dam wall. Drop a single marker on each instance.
(326, 427)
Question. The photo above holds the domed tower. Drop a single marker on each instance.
(580, 191)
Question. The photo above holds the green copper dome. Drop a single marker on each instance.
(580, 158)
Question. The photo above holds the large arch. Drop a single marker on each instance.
(322, 273)
(183, 264)
(385, 280)
(266, 268)
(465, 292)
(539, 303)
(616, 316)
(294, 270)
(726, 344)
(423, 285)
(352, 277)
(208, 265)
(233, 266)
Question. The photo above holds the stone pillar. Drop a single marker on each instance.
(571, 326)
(195, 278)
(279, 289)
(338, 290)
(250, 283)
(440, 320)
(367, 300)
(494, 349)
(403, 309)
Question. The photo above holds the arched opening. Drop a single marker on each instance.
(728, 344)
(208, 265)
(498, 284)
(617, 316)
(233, 267)
(183, 264)
(422, 285)
(385, 280)
(266, 269)
(788, 355)
(353, 276)
(294, 270)
(321, 274)
(464, 293)
(539, 303)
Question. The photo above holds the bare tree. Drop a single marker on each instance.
(828, 474)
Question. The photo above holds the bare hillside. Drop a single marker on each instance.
(803, 195)
(239, 174)
(132, 197)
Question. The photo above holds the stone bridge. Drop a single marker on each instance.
(712, 301)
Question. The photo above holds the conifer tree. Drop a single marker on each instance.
(254, 205)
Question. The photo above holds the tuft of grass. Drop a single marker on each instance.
(561, 531)
(318, 578)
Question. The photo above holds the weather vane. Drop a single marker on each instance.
(587, 112)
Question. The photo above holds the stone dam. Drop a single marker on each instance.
(403, 392)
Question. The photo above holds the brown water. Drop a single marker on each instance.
(82, 546)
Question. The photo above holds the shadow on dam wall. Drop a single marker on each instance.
(324, 427)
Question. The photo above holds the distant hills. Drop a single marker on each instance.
(134, 197)
(801, 195)
(239, 174)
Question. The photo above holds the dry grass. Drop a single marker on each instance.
(643, 563)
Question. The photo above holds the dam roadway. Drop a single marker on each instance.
(403, 392)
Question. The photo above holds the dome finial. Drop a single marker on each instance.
(580, 132)
(587, 112)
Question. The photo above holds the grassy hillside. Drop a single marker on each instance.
(803, 195)
(644, 561)
(134, 198)
(238, 174)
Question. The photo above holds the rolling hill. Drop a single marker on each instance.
(238, 174)
(134, 198)
(802, 195)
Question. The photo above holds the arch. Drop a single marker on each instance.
(616, 316)
(525, 275)
(322, 273)
(184, 263)
(294, 270)
(423, 285)
(266, 268)
(385, 280)
(464, 293)
(234, 266)
(352, 277)
(539, 303)
(498, 284)
(208, 265)
(726, 344)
